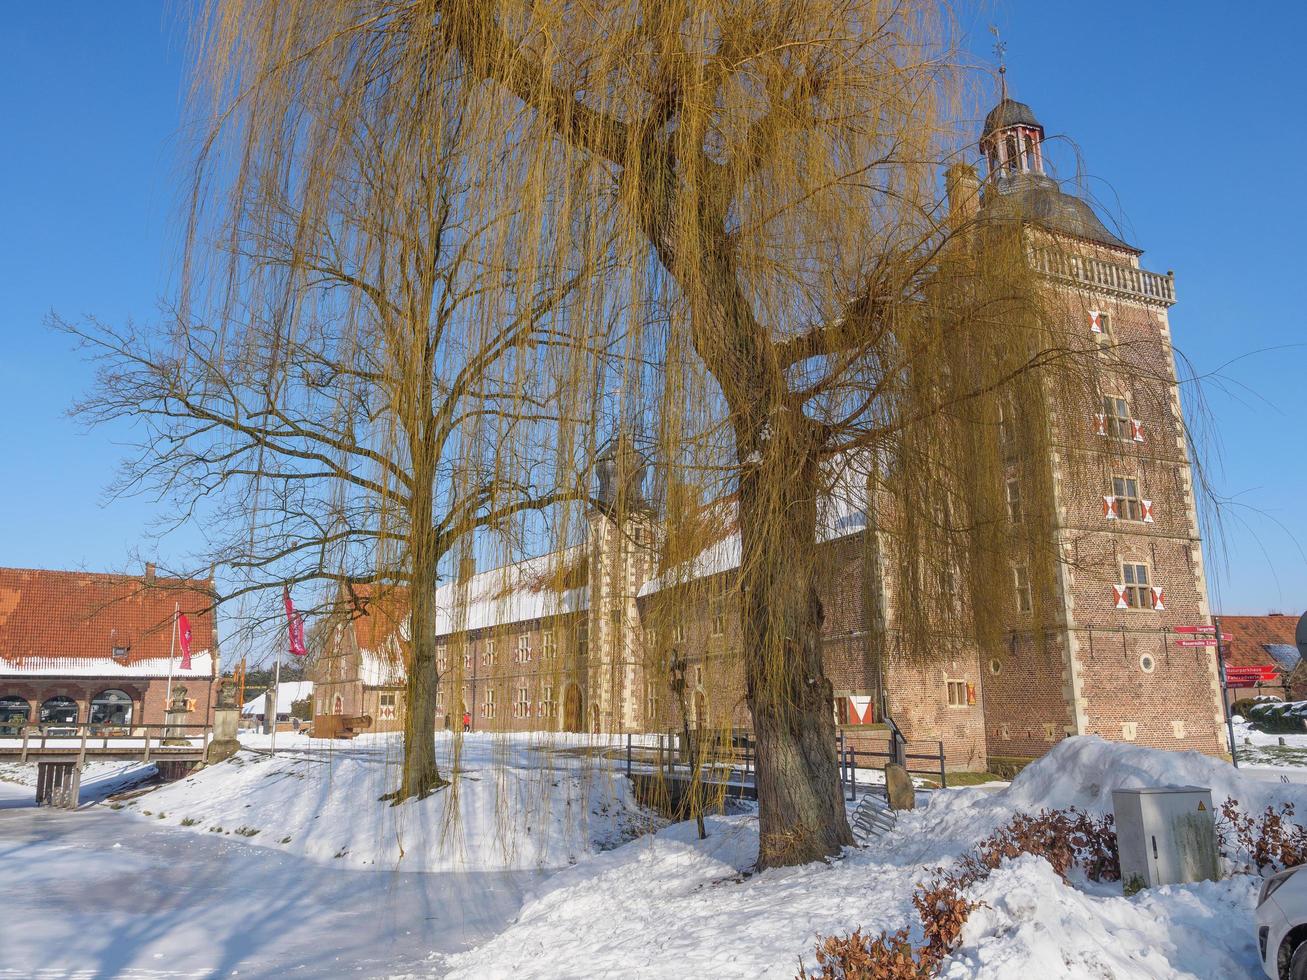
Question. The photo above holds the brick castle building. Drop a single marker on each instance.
(570, 641)
(85, 648)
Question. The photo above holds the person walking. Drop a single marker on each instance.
(467, 722)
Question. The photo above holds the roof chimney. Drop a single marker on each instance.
(963, 187)
(149, 573)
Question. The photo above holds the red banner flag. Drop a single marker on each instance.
(184, 638)
(294, 626)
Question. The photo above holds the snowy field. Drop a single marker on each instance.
(514, 803)
(673, 906)
(289, 866)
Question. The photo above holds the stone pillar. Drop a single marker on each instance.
(226, 721)
(177, 714)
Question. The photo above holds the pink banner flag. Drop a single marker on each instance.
(295, 626)
(184, 637)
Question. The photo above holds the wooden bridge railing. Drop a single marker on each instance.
(130, 740)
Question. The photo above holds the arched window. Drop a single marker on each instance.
(14, 713)
(111, 708)
(59, 710)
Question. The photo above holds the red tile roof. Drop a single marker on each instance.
(1252, 633)
(375, 613)
(83, 616)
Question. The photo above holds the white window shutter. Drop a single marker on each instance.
(1158, 598)
(1118, 595)
(1109, 508)
(1147, 507)
(1136, 430)
(1100, 424)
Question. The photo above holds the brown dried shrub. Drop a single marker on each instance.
(1064, 838)
(1269, 842)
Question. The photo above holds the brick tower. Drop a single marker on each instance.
(1131, 567)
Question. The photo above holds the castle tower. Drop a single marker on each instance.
(621, 560)
(1131, 567)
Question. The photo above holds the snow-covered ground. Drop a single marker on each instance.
(332, 882)
(670, 905)
(1284, 754)
(523, 802)
(94, 894)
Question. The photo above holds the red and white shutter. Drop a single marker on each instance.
(1136, 430)
(1159, 597)
(860, 709)
(1147, 507)
(1096, 321)
(1118, 596)
(1109, 508)
(1100, 424)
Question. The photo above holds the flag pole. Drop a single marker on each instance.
(276, 698)
(172, 649)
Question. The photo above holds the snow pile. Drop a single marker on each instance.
(510, 806)
(1032, 925)
(1082, 772)
(670, 905)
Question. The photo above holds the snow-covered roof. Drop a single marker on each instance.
(287, 694)
(379, 670)
(841, 513)
(514, 593)
(201, 667)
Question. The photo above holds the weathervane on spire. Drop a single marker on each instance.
(1000, 52)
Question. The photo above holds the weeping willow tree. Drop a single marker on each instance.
(765, 285)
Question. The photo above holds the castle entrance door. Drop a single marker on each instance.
(572, 718)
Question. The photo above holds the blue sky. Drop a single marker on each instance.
(1188, 121)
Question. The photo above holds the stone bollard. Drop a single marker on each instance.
(226, 721)
(899, 792)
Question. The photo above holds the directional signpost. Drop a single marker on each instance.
(1216, 633)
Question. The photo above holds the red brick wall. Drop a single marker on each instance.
(148, 695)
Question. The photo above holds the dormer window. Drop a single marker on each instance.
(120, 653)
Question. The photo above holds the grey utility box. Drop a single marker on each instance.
(1166, 835)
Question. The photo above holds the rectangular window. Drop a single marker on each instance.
(522, 706)
(582, 642)
(548, 645)
(1126, 491)
(467, 662)
(1021, 578)
(488, 652)
(718, 617)
(678, 633)
(1134, 577)
(650, 703)
(650, 639)
(1014, 511)
(523, 653)
(957, 694)
(388, 700)
(488, 708)
(442, 658)
(547, 701)
(1006, 425)
(1116, 417)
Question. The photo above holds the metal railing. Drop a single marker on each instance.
(716, 757)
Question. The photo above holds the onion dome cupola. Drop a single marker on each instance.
(1012, 140)
(1018, 188)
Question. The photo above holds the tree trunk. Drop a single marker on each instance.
(800, 804)
(421, 777)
